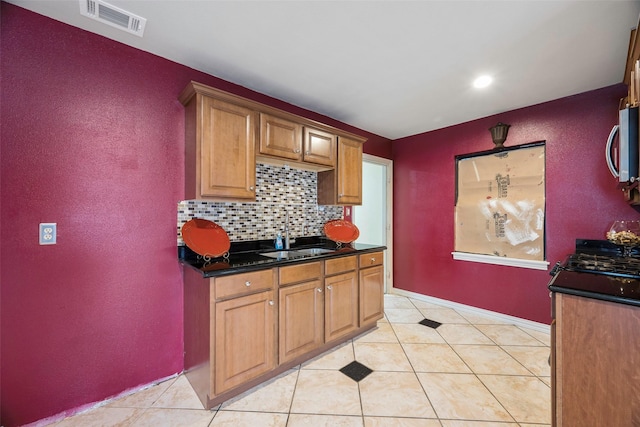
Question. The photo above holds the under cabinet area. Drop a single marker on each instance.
(226, 135)
(243, 329)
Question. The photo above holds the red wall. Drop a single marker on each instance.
(581, 201)
(92, 138)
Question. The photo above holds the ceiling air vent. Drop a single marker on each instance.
(114, 16)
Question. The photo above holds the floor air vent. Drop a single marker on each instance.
(113, 16)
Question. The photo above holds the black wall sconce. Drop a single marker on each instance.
(499, 134)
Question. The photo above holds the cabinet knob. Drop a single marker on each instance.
(373, 260)
(319, 290)
(247, 283)
(329, 287)
(307, 153)
(297, 150)
(341, 195)
(251, 188)
(271, 302)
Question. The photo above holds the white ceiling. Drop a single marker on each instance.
(393, 68)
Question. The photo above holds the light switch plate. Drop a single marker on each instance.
(48, 233)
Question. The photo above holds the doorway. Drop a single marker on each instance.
(374, 218)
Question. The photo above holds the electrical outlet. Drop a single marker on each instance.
(48, 233)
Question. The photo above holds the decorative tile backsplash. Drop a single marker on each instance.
(279, 191)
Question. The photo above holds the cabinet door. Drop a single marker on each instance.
(341, 305)
(349, 172)
(227, 153)
(319, 147)
(597, 362)
(280, 137)
(371, 294)
(245, 339)
(301, 319)
(343, 185)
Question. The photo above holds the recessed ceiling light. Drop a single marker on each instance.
(482, 81)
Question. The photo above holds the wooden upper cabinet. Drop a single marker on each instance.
(226, 135)
(280, 137)
(349, 172)
(319, 147)
(343, 185)
(286, 139)
(219, 149)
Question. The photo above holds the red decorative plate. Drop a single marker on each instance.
(341, 231)
(205, 237)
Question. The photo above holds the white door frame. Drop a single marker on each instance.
(388, 256)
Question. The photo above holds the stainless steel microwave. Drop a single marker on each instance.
(622, 158)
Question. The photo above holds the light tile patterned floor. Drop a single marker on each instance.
(472, 371)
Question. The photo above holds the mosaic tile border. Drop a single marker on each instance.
(279, 191)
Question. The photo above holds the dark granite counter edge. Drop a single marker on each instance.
(267, 264)
(594, 295)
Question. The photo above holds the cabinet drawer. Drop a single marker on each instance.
(369, 260)
(243, 284)
(300, 273)
(339, 265)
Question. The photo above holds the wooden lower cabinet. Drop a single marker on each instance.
(596, 366)
(245, 339)
(243, 329)
(341, 305)
(301, 319)
(301, 322)
(371, 282)
(371, 294)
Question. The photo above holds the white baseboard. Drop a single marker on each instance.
(524, 323)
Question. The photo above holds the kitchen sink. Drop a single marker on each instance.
(296, 253)
(313, 251)
(277, 254)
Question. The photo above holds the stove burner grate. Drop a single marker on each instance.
(604, 264)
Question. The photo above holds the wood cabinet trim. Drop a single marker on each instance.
(195, 87)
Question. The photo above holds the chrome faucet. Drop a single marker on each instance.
(287, 242)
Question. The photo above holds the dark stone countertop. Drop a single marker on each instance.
(602, 287)
(245, 256)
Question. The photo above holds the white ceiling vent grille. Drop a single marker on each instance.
(114, 16)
